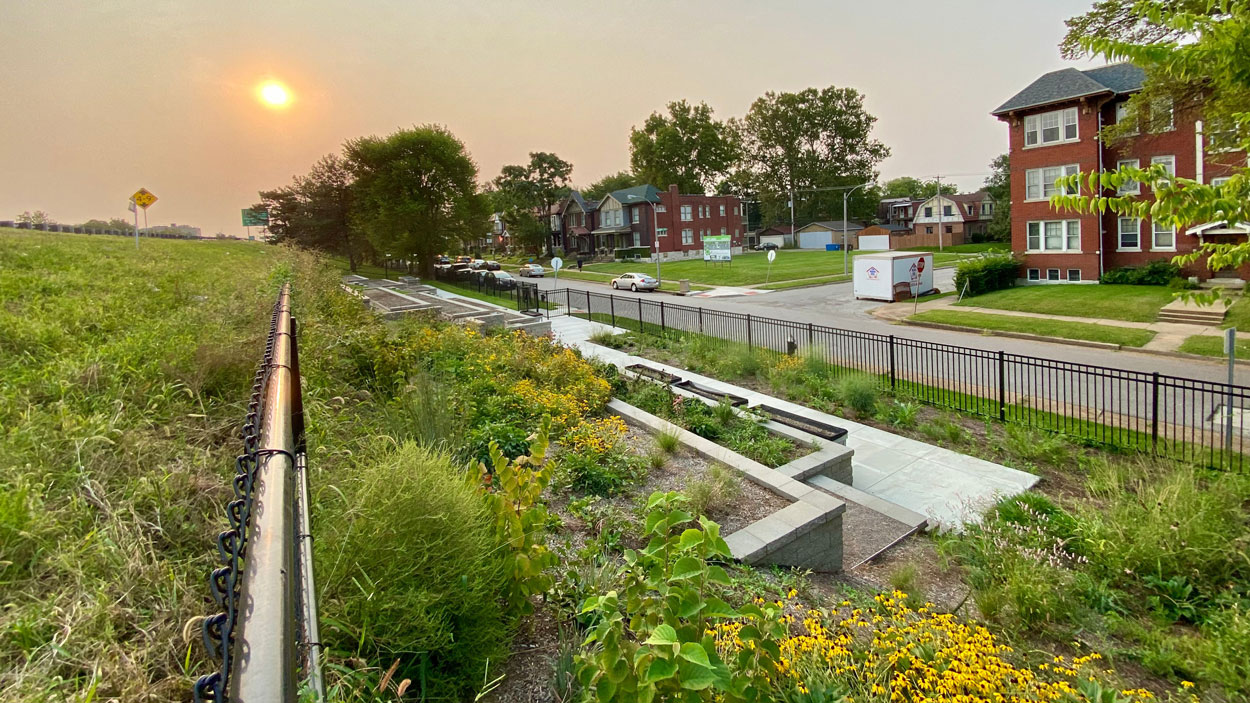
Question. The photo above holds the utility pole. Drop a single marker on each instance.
(792, 242)
(938, 180)
(845, 255)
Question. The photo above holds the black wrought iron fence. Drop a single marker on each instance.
(265, 639)
(523, 294)
(1170, 416)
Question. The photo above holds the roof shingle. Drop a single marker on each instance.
(1070, 83)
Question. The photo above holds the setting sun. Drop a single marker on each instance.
(274, 94)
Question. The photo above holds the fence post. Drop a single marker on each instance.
(663, 326)
(1154, 413)
(639, 314)
(587, 305)
(810, 334)
(893, 374)
(700, 320)
(1002, 387)
(749, 342)
(612, 307)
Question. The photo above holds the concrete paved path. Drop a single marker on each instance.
(947, 487)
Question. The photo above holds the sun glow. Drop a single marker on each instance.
(274, 94)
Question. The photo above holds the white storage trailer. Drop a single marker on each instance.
(877, 275)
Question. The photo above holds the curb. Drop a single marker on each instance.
(1020, 335)
(1191, 357)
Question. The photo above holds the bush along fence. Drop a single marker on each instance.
(1168, 416)
(266, 638)
(523, 294)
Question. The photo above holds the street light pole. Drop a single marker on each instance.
(655, 239)
(845, 255)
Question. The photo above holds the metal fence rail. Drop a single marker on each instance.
(1170, 416)
(523, 294)
(266, 637)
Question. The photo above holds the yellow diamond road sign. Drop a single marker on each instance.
(143, 198)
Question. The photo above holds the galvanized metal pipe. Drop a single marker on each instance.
(264, 647)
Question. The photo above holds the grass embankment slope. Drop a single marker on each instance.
(1238, 316)
(1087, 331)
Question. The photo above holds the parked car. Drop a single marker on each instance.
(533, 270)
(500, 279)
(442, 259)
(463, 259)
(493, 266)
(768, 246)
(478, 264)
(635, 282)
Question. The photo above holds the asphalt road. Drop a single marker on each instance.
(834, 305)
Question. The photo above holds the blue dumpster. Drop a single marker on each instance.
(833, 247)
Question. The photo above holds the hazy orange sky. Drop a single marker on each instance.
(101, 97)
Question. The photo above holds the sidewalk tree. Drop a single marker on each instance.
(808, 141)
(1194, 57)
(688, 147)
(415, 193)
(998, 185)
(526, 194)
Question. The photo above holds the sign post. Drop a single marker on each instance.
(717, 248)
(1230, 349)
(255, 217)
(556, 264)
(144, 199)
(772, 254)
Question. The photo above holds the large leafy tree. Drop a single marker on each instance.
(813, 143)
(1194, 55)
(415, 193)
(315, 211)
(525, 194)
(38, 217)
(909, 187)
(688, 146)
(611, 182)
(998, 185)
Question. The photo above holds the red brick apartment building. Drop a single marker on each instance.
(1054, 127)
(627, 223)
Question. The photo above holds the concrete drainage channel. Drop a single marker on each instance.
(394, 299)
(829, 525)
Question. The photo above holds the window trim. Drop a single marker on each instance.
(1135, 163)
(1033, 274)
(687, 213)
(687, 236)
(1036, 120)
(661, 232)
(1154, 233)
(1042, 181)
(1119, 234)
(1078, 278)
(1056, 277)
(1165, 159)
(1041, 241)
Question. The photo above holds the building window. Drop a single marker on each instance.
(946, 210)
(1035, 275)
(1169, 163)
(1130, 187)
(1054, 235)
(928, 229)
(1164, 237)
(661, 208)
(928, 212)
(1052, 274)
(722, 210)
(948, 229)
(637, 239)
(1039, 183)
(1130, 233)
(1074, 275)
(1050, 127)
(722, 231)
(1217, 182)
(687, 213)
(1121, 114)
(1161, 117)
(637, 213)
(687, 236)
(661, 232)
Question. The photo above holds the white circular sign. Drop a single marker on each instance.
(772, 254)
(557, 263)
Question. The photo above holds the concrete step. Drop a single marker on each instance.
(1209, 319)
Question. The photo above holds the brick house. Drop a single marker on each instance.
(944, 220)
(626, 224)
(1053, 127)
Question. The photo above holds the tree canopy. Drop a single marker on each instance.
(998, 185)
(525, 194)
(909, 187)
(315, 211)
(415, 193)
(813, 143)
(688, 146)
(611, 182)
(1194, 55)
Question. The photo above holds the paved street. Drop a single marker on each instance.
(834, 305)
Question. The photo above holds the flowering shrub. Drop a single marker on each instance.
(595, 461)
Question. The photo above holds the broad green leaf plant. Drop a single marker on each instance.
(654, 638)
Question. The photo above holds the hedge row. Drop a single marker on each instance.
(986, 273)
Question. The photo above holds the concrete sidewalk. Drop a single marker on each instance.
(1168, 335)
(948, 487)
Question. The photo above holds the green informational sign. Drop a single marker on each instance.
(717, 248)
(255, 217)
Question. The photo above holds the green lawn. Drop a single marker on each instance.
(1126, 336)
(798, 282)
(752, 268)
(1213, 346)
(1112, 302)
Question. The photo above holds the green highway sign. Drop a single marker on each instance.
(255, 217)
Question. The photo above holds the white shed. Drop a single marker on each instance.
(877, 276)
(819, 235)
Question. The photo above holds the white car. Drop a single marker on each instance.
(635, 282)
(531, 270)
